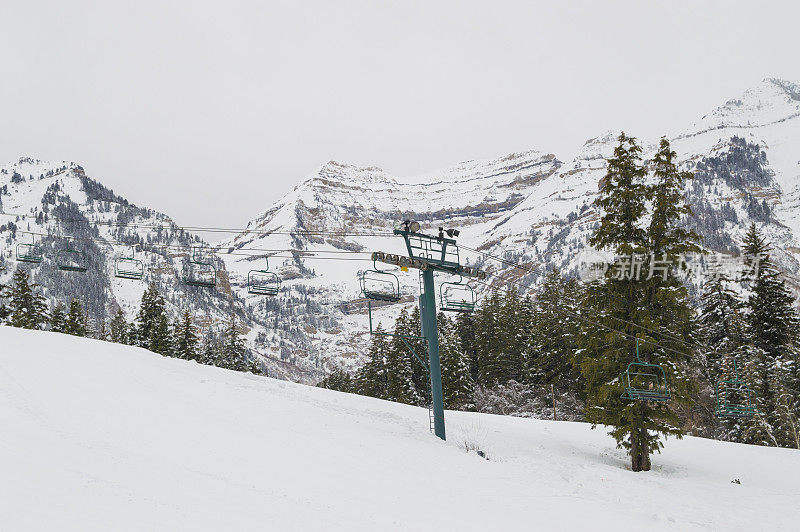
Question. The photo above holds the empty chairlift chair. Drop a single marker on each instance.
(735, 399)
(456, 297)
(199, 270)
(263, 282)
(29, 253)
(127, 267)
(71, 260)
(643, 381)
(379, 285)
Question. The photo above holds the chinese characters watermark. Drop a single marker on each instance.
(694, 266)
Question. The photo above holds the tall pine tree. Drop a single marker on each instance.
(75, 323)
(630, 305)
(186, 339)
(58, 318)
(27, 306)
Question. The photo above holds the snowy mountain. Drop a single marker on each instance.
(101, 436)
(529, 208)
(57, 206)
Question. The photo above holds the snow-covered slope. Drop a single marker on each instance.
(99, 436)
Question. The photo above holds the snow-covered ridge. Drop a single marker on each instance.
(771, 101)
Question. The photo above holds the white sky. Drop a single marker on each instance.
(210, 111)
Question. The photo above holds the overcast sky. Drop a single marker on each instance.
(210, 111)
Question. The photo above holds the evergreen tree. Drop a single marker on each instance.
(720, 324)
(210, 354)
(75, 323)
(721, 328)
(28, 308)
(512, 323)
(161, 340)
(186, 339)
(119, 328)
(553, 339)
(622, 200)
(372, 379)
(465, 330)
(630, 306)
(58, 318)
(400, 385)
(233, 351)
(457, 383)
(488, 341)
(773, 320)
(772, 332)
(338, 380)
(151, 312)
(5, 312)
(102, 332)
(419, 368)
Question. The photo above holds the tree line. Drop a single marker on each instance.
(22, 305)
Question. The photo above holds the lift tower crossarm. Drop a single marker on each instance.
(421, 264)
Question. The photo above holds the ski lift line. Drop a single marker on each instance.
(586, 320)
(207, 229)
(332, 233)
(215, 250)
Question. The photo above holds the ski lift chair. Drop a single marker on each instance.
(379, 285)
(29, 253)
(456, 297)
(735, 399)
(263, 282)
(200, 270)
(71, 260)
(643, 381)
(129, 267)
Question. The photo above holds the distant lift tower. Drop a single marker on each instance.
(429, 254)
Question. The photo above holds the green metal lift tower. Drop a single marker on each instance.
(430, 254)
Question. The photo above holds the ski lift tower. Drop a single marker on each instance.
(430, 254)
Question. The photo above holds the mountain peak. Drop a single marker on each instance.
(770, 101)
